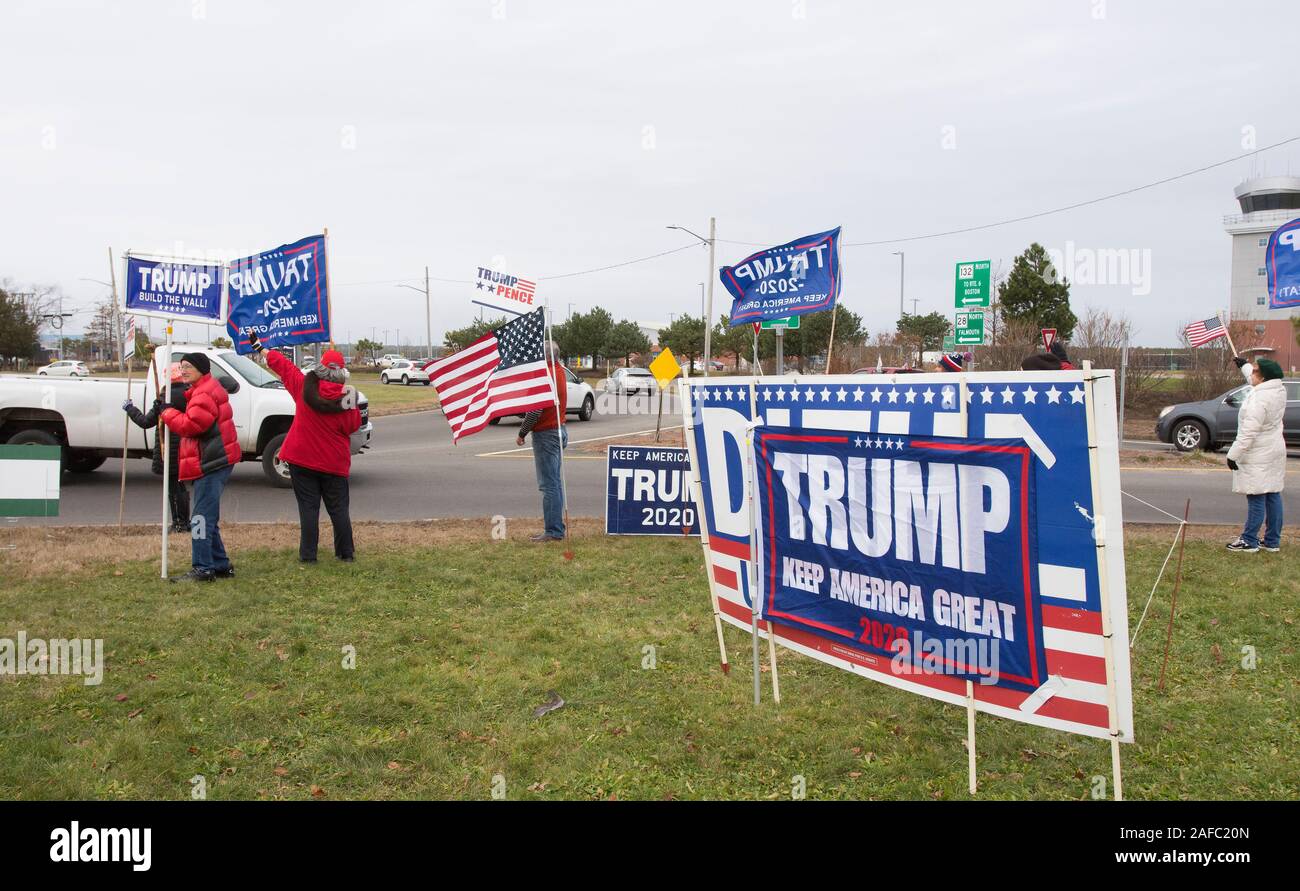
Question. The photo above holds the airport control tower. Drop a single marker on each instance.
(1266, 203)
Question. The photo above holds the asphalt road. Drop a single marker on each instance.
(413, 472)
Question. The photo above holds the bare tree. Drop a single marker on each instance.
(1100, 336)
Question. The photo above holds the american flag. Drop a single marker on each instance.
(502, 373)
(1199, 333)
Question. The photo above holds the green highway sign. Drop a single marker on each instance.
(970, 329)
(949, 343)
(789, 322)
(973, 283)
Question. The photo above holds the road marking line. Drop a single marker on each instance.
(574, 442)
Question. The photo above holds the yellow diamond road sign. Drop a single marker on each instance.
(665, 368)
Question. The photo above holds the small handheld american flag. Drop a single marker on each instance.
(1199, 333)
(502, 373)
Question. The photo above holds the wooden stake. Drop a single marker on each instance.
(1178, 580)
(970, 734)
(771, 657)
(1099, 533)
(1227, 332)
(697, 493)
(329, 290)
(831, 343)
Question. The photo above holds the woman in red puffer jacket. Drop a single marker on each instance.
(318, 448)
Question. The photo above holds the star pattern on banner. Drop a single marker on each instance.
(520, 340)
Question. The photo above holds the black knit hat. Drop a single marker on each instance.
(199, 361)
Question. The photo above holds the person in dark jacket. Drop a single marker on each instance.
(178, 498)
(209, 451)
(1058, 350)
(318, 448)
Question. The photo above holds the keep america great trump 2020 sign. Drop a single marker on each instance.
(925, 531)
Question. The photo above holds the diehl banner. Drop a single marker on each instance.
(791, 279)
(918, 549)
(281, 294)
(1282, 259)
(173, 289)
(647, 491)
(1074, 506)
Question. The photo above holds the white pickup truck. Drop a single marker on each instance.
(84, 415)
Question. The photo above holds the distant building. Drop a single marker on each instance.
(1265, 203)
(651, 330)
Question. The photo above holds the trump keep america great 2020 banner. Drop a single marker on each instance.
(282, 294)
(926, 530)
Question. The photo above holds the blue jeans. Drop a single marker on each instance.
(207, 553)
(546, 460)
(1257, 508)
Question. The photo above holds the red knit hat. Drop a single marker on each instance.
(333, 358)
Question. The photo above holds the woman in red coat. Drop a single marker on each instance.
(318, 448)
(209, 450)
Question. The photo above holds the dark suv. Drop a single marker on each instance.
(1212, 424)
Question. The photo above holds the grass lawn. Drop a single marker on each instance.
(391, 399)
(459, 637)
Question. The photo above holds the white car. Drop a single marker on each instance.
(388, 360)
(630, 380)
(580, 399)
(404, 371)
(65, 368)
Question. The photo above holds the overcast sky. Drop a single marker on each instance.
(567, 136)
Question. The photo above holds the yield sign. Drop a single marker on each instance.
(1049, 338)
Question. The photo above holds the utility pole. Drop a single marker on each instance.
(708, 311)
(901, 270)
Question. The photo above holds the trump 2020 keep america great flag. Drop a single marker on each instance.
(502, 373)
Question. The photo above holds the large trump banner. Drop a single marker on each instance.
(926, 531)
(919, 550)
(282, 294)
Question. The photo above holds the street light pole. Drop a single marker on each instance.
(707, 309)
(901, 270)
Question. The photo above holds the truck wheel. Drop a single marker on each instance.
(1190, 435)
(82, 463)
(38, 437)
(277, 471)
(588, 406)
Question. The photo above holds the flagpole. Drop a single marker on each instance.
(559, 415)
(165, 447)
(329, 291)
(126, 419)
(1227, 333)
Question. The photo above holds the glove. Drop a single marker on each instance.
(1232, 465)
(254, 342)
(127, 405)
(158, 405)
(1238, 361)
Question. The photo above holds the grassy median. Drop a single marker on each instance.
(458, 637)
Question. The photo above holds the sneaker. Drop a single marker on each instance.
(306, 559)
(1271, 550)
(195, 575)
(227, 573)
(1240, 547)
(348, 559)
(542, 536)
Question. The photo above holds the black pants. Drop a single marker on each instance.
(179, 497)
(310, 486)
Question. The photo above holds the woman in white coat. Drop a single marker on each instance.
(1258, 456)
